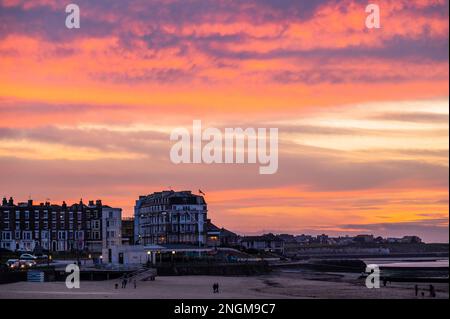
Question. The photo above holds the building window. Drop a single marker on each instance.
(17, 225)
(36, 215)
(6, 225)
(27, 214)
(6, 235)
(17, 215)
(96, 224)
(27, 225)
(6, 215)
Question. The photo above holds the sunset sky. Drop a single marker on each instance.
(362, 113)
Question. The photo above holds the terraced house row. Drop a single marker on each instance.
(78, 227)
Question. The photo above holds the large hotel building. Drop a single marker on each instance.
(170, 217)
(80, 227)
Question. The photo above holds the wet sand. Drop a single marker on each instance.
(280, 285)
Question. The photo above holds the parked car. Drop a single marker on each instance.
(27, 257)
(13, 263)
(27, 263)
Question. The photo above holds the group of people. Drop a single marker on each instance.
(125, 280)
(216, 287)
(431, 289)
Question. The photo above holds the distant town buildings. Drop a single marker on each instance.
(167, 222)
(364, 239)
(267, 242)
(170, 217)
(77, 227)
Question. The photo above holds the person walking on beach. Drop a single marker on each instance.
(135, 284)
(416, 289)
(217, 287)
(214, 288)
(432, 291)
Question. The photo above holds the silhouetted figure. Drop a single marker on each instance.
(124, 283)
(135, 284)
(432, 291)
(215, 288)
(416, 289)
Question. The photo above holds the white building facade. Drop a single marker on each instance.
(171, 217)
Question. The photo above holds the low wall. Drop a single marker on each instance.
(237, 269)
(12, 276)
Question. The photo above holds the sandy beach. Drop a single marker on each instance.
(279, 285)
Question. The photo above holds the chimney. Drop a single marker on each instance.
(64, 205)
(98, 202)
(11, 201)
(4, 202)
(30, 202)
(91, 203)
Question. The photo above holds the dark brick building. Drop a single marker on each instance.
(77, 227)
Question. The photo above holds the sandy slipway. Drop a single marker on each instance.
(276, 285)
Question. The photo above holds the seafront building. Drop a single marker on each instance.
(266, 242)
(170, 217)
(59, 228)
